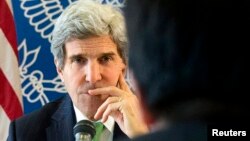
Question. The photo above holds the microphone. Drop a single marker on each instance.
(84, 130)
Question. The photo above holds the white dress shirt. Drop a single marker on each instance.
(107, 134)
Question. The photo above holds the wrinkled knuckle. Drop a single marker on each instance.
(109, 100)
(133, 96)
(109, 108)
(108, 88)
(112, 88)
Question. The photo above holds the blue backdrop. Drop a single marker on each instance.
(34, 23)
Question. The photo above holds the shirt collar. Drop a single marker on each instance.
(109, 124)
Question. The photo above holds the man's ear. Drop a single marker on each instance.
(59, 69)
(124, 70)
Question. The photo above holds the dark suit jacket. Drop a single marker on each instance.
(198, 131)
(53, 122)
(189, 131)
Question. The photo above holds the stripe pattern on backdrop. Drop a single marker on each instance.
(10, 88)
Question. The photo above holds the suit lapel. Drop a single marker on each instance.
(62, 122)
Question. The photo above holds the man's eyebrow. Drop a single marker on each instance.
(108, 54)
(72, 57)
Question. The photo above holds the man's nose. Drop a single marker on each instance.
(93, 73)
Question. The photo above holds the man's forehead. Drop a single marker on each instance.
(95, 41)
(91, 46)
(98, 39)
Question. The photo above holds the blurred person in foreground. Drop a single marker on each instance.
(190, 64)
(89, 45)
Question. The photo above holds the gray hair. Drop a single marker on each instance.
(84, 19)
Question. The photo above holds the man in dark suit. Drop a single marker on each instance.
(89, 45)
(53, 122)
(189, 60)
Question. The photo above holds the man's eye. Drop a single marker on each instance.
(106, 59)
(79, 60)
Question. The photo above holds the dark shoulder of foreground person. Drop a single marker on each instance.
(181, 131)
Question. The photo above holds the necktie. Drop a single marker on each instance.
(99, 127)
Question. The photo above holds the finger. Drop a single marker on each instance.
(104, 106)
(112, 91)
(111, 109)
(123, 84)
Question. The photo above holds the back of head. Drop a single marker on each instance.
(190, 56)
